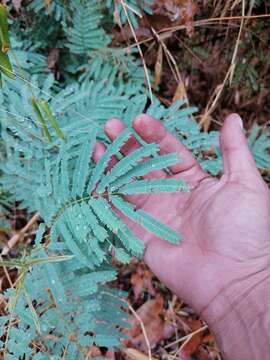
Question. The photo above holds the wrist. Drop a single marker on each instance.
(239, 317)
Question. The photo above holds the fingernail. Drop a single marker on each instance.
(239, 120)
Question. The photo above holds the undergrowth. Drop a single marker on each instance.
(60, 304)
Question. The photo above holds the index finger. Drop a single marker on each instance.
(152, 130)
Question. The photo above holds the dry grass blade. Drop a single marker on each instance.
(140, 322)
(198, 23)
(172, 63)
(158, 66)
(212, 103)
(147, 77)
(233, 61)
(186, 338)
(143, 329)
(216, 20)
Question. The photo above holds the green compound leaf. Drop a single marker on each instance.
(122, 256)
(159, 162)
(82, 167)
(113, 149)
(147, 221)
(126, 164)
(103, 211)
(156, 186)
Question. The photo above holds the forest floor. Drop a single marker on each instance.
(218, 58)
(209, 52)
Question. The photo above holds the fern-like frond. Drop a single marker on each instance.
(126, 164)
(102, 164)
(85, 33)
(85, 220)
(57, 302)
(55, 8)
(159, 162)
(260, 146)
(155, 185)
(60, 306)
(146, 220)
(82, 167)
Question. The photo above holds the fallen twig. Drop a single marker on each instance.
(17, 237)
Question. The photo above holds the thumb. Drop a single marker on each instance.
(237, 157)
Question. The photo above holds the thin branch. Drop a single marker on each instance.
(7, 274)
(233, 61)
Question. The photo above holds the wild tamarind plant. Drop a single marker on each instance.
(60, 304)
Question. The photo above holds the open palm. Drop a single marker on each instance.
(224, 222)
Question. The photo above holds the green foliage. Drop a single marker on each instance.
(61, 307)
(5, 208)
(85, 33)
(61, 304)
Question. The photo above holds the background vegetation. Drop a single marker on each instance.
(74, 64)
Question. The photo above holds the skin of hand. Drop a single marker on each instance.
(222, 265)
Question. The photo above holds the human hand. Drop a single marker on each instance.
(225, 223)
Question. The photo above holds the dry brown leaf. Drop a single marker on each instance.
(188, 10)
(134, 354)
(138, 284)
(150, 314)
(190, 346)
(142, 279)
(180, 92)
(178, 12)
(203, 354)
(158, 66)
